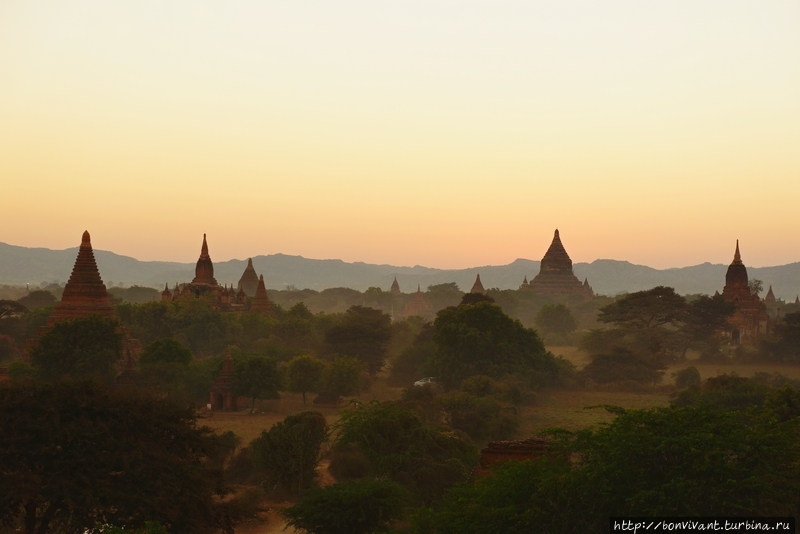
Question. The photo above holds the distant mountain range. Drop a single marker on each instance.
(21, 265)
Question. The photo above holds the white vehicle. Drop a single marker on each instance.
(427, 380)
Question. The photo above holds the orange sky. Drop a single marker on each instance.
(447, 134)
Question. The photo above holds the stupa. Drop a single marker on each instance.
(261, 302)
(395, 289)
(750, 320)
(249, 280)
(555, 274)
(85, 294)
(204, 270)
(477, 287)
(418, 305)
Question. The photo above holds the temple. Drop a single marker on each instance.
(249, 280)
(750, 320)
(418, 305)
(221, 396)
(85, 293)
(261, 303)
(477, 287)
(395, 289)
(555, 274)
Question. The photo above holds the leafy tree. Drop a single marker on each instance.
(784, 342)
(706, 317)
(39, 298)
(287, 455)
(398, 444)
(728, 392)
(165, 351)
(687, 378)
(341, 376)
(87, 346)
(555, 319)
(304, 373)
(756, 286)
(356, 507)
(658, 462)
(257, 377)
(11, 308)
(364, 334)
(622, 365)
(412, 363)
(482, 340)
(77, 456)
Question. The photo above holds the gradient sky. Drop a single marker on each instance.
(446, 134)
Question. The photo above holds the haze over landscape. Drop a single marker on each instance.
(445, 134)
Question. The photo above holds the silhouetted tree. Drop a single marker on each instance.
(304, 373)
(364, 333)
(257, 377)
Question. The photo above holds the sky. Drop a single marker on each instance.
(437, 133)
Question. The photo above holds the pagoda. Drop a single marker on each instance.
(477, 287)
(750, 320)
(249, 280)
(418, 305)
(261, 302)
(555, 274)
(395, 289)
(85, 294)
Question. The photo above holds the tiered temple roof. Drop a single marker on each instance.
(555, 274)
(261, 302)
(85, 294)
(750, 320)
(249, 280)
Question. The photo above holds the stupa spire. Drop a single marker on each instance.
(261, 302)
(737, 258)
(249, 280)
(477, 287)
(204, 270)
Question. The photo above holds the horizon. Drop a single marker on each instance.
(440, 134)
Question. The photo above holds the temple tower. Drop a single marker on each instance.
(204, 270)
(418, 305)
(477, 287)
(85, 294)
(555, 273)
(249, 280)
(750, 320)
(261, 302)
(395, 289)
(221, 395)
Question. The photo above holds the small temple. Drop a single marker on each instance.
(555, 274)
(249, 280)
(395, 289)
(418, 305)
(221, 396)
(477, 287)
(750, 320)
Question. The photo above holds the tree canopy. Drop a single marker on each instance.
(364, 333)
(77, 455)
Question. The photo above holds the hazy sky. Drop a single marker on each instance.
(446, 134)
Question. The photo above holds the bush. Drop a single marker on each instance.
(356, 507)
(348, 463)
(687, 377)
(622, 365)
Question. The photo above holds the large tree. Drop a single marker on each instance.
(87, 346)
(76, 455)
(480, 339)
(257, 377)
(304, 373)
(364, 333)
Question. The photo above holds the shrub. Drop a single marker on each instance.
(687, 377)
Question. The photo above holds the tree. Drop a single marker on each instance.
(756, 286)
(784, 342)
(287, 455)
(482, 340)
(399, 445)
(11, 308)
(706, 317)
(673, 462)
(304, 373)
(555, 319)
(76, 455)
(364, 334)
(356, 507)
(257, 377)
(341, 376)
(687, 378)
(87, 346)
(622, 365)
(39, 298)
(164, 362)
